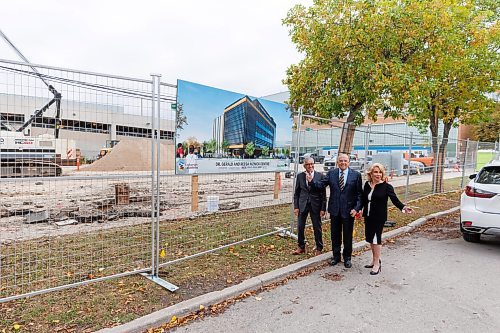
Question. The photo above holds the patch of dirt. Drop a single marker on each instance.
(441, 228)
(133, 155)
(333, 276)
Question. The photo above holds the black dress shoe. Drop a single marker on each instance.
(347, 263)
(371, 266)
(376, 272)
(379, 269)
(334, 261)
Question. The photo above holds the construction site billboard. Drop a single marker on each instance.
(219, 129)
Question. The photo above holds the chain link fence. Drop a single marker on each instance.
(88, 190)
(407, 154)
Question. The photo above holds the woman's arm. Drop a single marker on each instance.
(394, 198)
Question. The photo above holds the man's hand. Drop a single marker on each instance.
(322, 213)
(296, 211)
(353, 212)
(309, 177)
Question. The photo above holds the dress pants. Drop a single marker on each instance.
(316, 222)
(341, 225)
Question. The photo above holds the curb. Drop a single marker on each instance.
(163, 316)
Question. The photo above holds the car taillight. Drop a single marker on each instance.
(467, 223)
(477, 193)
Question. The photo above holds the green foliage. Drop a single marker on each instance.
(488, 130)
(265, 151)
(210, 146)
(250, 149)
(431, 61)
(225, 146)
(442, 59)
(339, 75)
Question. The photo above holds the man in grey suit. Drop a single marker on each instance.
(311, 201)
(345, 201)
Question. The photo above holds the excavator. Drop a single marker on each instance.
(22, 155)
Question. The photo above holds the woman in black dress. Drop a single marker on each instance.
(375, 194)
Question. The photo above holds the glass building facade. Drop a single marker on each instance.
(245, 121)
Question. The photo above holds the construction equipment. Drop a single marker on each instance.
(106, 150)
(22, 155)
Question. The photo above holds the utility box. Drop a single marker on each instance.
(393, 162)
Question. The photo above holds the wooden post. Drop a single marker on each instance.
(194, 193)
(122, 194)
(277, 184)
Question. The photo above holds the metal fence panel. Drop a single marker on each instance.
(94, 220)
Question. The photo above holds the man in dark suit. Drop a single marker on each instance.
(345, 201)
(311, 201)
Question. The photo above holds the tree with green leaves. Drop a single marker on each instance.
(441, 60)
(225, 146)
(250, 149)
(210, 146)
(488, 130)
(339, 76)
(431, 61)
(265, 151)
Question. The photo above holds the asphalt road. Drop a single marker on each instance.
(426, 285)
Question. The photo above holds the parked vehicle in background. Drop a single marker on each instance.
(330, 163)
(480, 204)
(367, 162)
(428, 161)
(317, 158)
(356, 163)
(415, 167)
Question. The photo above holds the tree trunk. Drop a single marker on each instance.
(434, 128)
(439, 158)
(348, 131)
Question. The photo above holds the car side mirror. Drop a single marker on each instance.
(473, 176)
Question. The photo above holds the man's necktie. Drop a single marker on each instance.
(341, 180)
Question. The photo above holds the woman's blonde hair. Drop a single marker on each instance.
(370, 170)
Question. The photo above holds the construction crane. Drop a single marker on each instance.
(25, 156)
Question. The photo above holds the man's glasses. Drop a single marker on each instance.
(305, 164)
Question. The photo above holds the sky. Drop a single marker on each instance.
(202, 104)
(234, 45)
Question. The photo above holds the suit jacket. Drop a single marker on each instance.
(304, 193)
(342, 202)
(378, 205)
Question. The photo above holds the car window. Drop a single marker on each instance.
(489, 175)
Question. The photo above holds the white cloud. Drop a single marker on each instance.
(234, 45)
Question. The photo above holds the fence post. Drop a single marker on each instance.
(277, 183)
(194, 193)
(158, 163)
(408, 168)
(295, 170)
(367, 144)
(153, 175)
(464, 164)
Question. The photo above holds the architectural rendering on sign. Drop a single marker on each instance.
(223, 123)
(246, 121)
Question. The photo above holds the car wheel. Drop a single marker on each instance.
(473, 238)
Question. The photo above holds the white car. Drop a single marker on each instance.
(480, 204)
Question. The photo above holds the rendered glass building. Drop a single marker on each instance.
(245, 121)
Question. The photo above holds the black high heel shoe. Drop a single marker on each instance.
(371, 266)
(379, 270)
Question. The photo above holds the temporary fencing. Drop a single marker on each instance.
(125, 213)
(128, 212)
